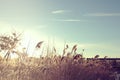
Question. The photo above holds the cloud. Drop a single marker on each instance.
(70, 20)
(103, 14)
(58, 11)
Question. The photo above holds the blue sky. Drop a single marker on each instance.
(92, 24)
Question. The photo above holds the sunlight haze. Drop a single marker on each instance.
(94, 25)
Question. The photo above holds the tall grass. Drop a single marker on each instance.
(69, 66)
(56, 68)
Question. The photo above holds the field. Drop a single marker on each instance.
(56, 68)
(68, 66)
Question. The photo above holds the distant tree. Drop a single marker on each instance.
(8, 43)
(97, 56)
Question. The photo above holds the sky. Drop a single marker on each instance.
(94, 25)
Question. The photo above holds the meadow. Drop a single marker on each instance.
(56, 68)
(69, 66)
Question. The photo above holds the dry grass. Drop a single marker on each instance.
(56, 68)
(69, 66)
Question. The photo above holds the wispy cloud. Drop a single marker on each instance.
(103, 14)
(70, 20)
(59, 11)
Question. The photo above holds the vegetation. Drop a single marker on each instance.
(8, 43)
(56, 68)
(72, 66)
